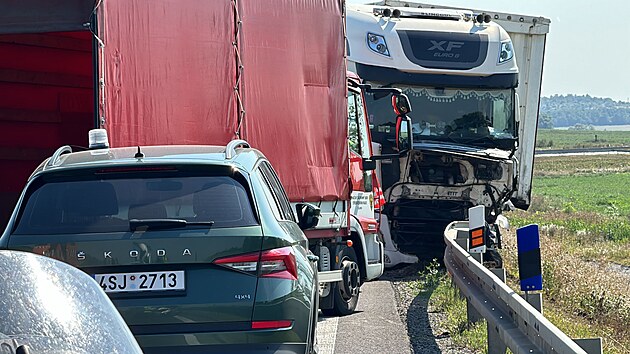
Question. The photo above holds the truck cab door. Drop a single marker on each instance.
(362, 197)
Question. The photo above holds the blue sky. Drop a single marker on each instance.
(588, 46)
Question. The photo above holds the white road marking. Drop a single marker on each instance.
(327, 334)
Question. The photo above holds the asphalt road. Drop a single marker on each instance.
(375, 327)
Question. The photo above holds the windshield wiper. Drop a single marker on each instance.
(494, 142)
(162, 224)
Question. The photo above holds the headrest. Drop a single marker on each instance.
(91, 199)
(218, 201)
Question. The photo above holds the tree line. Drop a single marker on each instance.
(575, 110)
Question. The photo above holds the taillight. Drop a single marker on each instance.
(275, 263)
(244, 262)
(278, 263)
(271, 324)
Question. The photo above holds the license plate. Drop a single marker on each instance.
(143, 281)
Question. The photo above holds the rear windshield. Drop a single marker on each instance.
(107, 205)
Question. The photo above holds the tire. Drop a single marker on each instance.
(346, 294)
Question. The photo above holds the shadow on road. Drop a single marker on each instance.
(414, 309)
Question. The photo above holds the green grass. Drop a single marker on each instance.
(446, 298)
(581, 165)
(607, 194)
(568, 139)
(590, 202)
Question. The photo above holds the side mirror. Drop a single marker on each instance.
(401, 104)
(308, 215)
(404, 134)
(368, 164)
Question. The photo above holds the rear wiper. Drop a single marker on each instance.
(161, 224)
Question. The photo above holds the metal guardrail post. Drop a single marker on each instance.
(590, 345)
(534, 299)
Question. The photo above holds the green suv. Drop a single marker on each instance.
(197, 246)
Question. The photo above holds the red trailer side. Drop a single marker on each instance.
(171, 69)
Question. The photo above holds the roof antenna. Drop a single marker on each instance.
(139, 154)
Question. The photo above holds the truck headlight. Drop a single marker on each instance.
(377, 44)
(507, 52)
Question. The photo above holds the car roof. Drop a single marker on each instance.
(244, 158)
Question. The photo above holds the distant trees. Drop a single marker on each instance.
(569, 110)
(545, 121)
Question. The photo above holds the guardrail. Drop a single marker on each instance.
(513, 322)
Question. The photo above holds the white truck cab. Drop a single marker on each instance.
(475, 97)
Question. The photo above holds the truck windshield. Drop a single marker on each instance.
(483, 118)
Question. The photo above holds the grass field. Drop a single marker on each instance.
(569, 139)
(606, 193)
(582, 204)
(580, 165)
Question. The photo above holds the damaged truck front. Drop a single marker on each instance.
(476, 113)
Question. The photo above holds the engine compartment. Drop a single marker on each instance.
(437, 187)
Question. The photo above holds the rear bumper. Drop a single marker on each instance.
(289, 348)
(257, 341)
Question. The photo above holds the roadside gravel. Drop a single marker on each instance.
(424, 328)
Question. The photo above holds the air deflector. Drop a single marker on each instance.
(439, 50)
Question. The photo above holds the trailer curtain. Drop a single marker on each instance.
(170, 71)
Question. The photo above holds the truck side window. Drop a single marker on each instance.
(358, 136)
(364, 137)
(353, 126)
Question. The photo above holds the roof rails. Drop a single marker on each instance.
(230, 148)
(66, 149)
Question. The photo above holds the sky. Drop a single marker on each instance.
(588, 45)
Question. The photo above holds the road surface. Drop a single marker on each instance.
(375, 327)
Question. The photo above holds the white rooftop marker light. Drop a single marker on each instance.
(98, 139)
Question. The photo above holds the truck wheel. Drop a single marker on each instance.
(346, 292)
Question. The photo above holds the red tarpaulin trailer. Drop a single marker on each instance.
(292, 83)
(169, 70)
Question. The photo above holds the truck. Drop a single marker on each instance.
(474, 79)
(186, 72)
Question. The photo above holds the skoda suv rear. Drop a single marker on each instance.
(197, 246)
